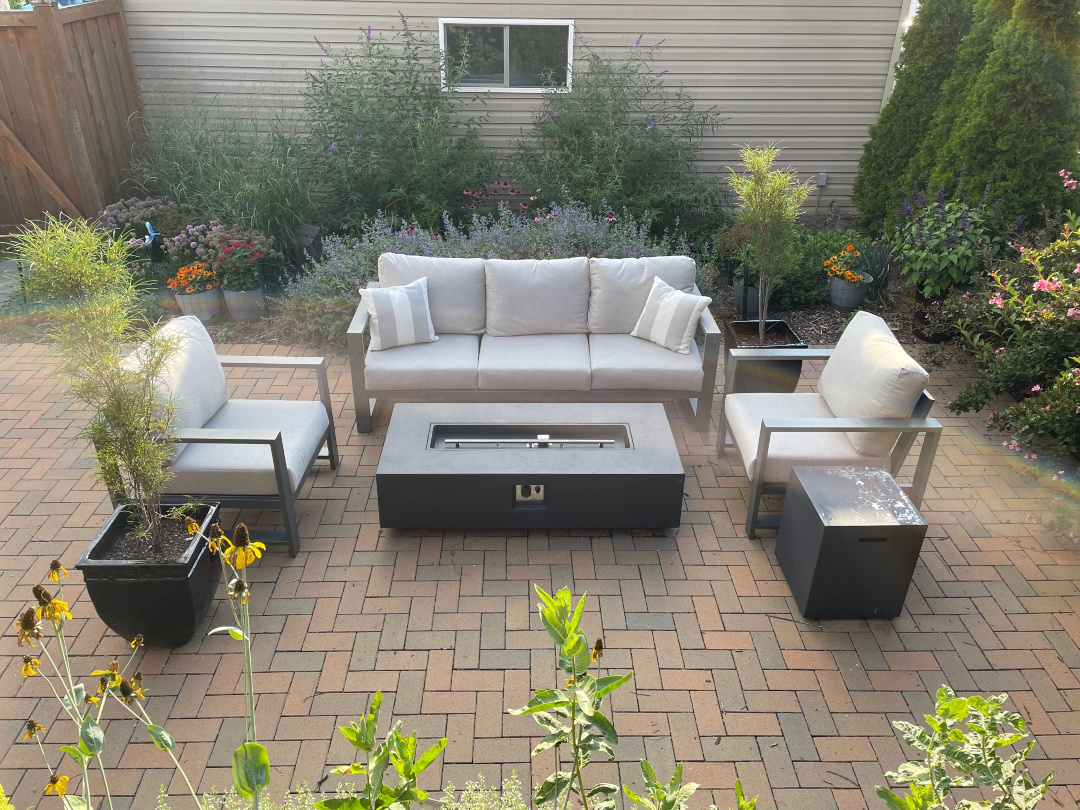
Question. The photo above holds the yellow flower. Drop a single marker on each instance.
(238, 590)
(57, 784)
(30, 665)
(110, 678)
(598, 650)
(191, 526)
(138, 641)
(90, 700)
(55, 570)
(28, 627)
(242, 550)
(55, 610)
(130, 690)
(33, 729)
(216, 538)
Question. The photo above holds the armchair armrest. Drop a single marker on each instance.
(847, 425)
(765, 353)
(243, 436)
(317, 364)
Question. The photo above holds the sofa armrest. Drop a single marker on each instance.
(710, 360)
(356, 339)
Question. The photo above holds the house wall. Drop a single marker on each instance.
(810, 75)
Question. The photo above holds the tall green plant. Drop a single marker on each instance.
(572, 717)
(1020, 124)
(926, 61)
(387, 136)
(770, 201)
(622, 141)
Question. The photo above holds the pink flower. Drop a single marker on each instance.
(1036, 389)
(997, 301)
(1047, 285)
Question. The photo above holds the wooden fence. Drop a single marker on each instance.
(70, 109)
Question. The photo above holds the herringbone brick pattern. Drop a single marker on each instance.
(728, 676)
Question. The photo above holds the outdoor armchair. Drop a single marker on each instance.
(870, 407)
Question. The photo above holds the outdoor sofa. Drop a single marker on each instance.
(534, 331)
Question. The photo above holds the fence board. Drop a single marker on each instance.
(68, 97)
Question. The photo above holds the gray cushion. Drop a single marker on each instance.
(744, 415)
(400, 316)
(193, 376)
(449, 364)
(535, 363)
(455, 289)
(527, 297)
(620, 288)
(248, 469)
(627, 362)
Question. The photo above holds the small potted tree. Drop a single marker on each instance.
(770, 200)
(143, 572)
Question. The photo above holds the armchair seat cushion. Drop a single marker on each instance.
(534, 363)
(248, 469)
(625, 362)
(786, 450)
(447, 365)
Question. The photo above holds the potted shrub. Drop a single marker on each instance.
(238, 266)
(197, 291)
(847, 286)
(143, 572)
(770, 200)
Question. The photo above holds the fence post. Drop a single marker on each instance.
(54, 47)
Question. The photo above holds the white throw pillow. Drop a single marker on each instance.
(400, 316)
(870, 376)
(670, 317)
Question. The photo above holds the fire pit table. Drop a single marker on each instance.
(525, 465)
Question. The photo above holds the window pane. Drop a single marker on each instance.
(538, 55)
(484, 54)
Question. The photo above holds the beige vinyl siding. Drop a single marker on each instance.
(809, 75)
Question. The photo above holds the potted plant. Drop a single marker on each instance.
(847, 287)
(197, 291)
(770, 200)
(238, 266)
(143, 572)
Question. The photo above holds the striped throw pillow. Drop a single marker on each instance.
(670, 317)
(400, 316)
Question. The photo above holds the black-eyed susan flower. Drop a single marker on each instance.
(110, 678)
(138, 641)
(30, 666)
(55, 570)
(90, 700)
(28, 627)
(239, 591)
(57, 784)
(103, 684)
(242, 550)
(191, 526)
(598, 650)
(33, 729)
(130, 691)
(217, 538)
(55, 610)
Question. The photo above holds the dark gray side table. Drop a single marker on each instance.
(848, 542)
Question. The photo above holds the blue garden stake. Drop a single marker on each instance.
(150, 233)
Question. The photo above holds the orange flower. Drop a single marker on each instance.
(189, 290)
(849, 248)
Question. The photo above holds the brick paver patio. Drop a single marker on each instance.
(728, 676)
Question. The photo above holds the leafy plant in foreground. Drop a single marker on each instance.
(658, 796)
(962, 752)
(397, 750)
(573, 717)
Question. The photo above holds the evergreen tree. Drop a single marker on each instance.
(1019, 125)
(926, 61)
(990, 16)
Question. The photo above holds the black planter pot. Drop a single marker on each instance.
(165, 601)
(762, 376)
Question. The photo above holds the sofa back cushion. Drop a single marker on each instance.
(620, 288)
(871, 376)
(456, 289)
(193, 375)
(538, 297)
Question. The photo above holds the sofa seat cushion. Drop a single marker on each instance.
(744, 415)
(248, 469)
(531, 297)
(625, 362)
(456, 288)
(447, 365)
(534, 363)
(620, 288)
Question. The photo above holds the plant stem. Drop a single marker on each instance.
(104, 781)
(172, 754)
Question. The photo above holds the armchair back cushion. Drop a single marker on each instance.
(456, 289)
(620, 288)
(538, 297)
(871, 376)
(194, 376)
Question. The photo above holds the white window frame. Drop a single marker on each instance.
(444, 21)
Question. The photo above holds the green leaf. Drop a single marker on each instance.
(162, 738)
(604, 726)
(610, 683)
(233, 631)
(75, 802)
(552, 787)
(251, 769)
(575, 618)
(91, 737)
(636, 799)
(550, 741)
(74, 753)
(603, 787)
(350, 803)
(429, 756)
(585, 692)
(648, 772)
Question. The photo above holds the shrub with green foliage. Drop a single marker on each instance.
(232, 166)
(385, 136)
(1020, 124)
(620, 139)
(479, 796)
(926, 61)
(808, 282)
(319, 305)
